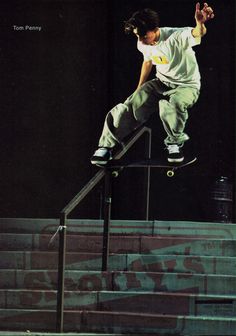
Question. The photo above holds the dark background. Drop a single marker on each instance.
(58, 84)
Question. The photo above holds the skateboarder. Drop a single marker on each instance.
(175, 88)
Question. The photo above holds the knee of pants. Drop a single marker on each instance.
(171, 108)
(179, 104)
(165, 109)
(118, 113)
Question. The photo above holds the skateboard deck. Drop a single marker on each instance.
(118, 165)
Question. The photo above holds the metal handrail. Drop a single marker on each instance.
(74, 203)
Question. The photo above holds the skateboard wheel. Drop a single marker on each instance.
(115, 173)
(170, 173)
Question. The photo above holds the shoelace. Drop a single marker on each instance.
(101, 151)
(173, 149)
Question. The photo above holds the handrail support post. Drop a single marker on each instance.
(107, 218)
(148, 178)
(61, 273)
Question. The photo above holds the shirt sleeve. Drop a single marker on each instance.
(186, 38)
(144, 50)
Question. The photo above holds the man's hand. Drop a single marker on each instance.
(203, 15)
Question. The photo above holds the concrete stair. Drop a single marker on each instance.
(164, 278)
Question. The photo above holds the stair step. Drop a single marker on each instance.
(131, 262)
(179, 263)
(165, 303)
(120, 281)
(34, 320)
(74, 226)
(141, 302)
(120, 244)
(174, 282)
(161, 324)
(30, 333)
(118, 322)
(87, 226)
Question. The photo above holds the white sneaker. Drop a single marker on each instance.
(175, 153)
(101, 156)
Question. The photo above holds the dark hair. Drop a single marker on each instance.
(144, 20)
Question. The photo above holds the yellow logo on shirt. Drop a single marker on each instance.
(160, 59)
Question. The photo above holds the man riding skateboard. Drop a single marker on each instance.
(175, 89)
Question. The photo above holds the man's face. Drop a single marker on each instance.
(150, 38)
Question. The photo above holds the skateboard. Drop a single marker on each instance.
(117, 165)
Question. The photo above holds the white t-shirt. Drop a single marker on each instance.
(174, 57)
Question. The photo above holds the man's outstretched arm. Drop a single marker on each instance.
(202, 16)
(145, 72)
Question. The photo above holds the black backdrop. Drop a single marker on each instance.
(57, 84)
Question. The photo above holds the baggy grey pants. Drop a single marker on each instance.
(173, 103)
